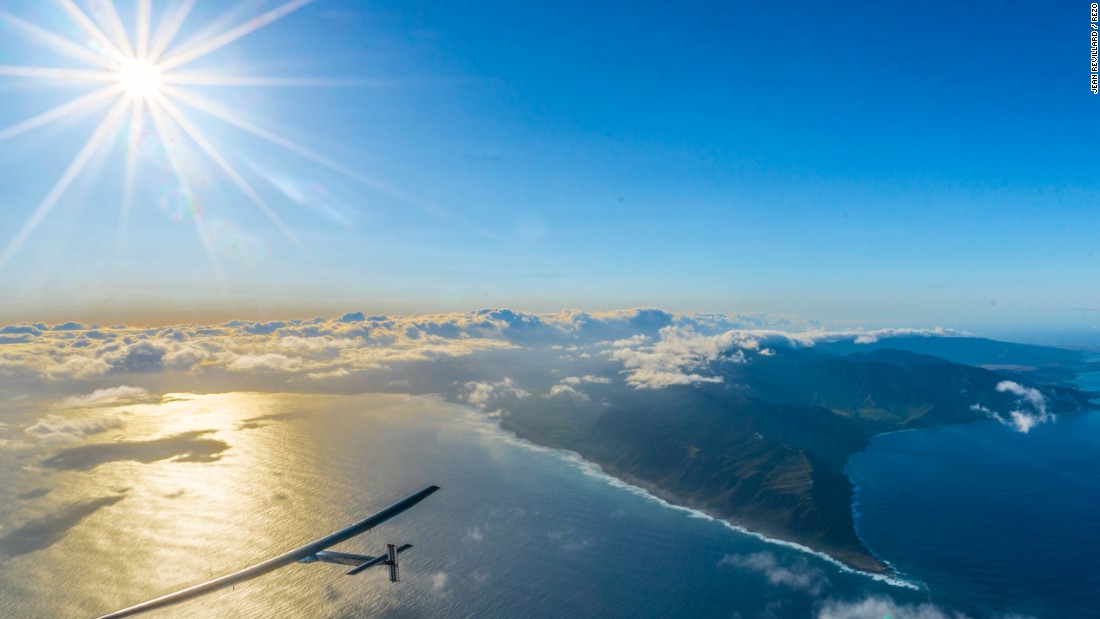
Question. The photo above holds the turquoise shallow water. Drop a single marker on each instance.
(991, 520)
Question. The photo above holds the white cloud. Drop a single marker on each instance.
(673, 359)
(439, 581)
(58, 429)
(681, 353)
(14, 444)
(878, 607)
(101, 397)
(485, 394)
(796, 575)
(1032, 396)
(337, 373)
(587, 378)
(270, 361)
(1019, 419)
(186, 357)
(565, 391)
(75, 366)
(873, 336)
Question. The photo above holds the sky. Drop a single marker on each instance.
(861, 164)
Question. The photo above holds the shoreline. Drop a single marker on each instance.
(885, 572)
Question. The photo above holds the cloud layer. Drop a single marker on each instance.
(655, 348)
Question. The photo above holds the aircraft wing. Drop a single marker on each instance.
(308, 552)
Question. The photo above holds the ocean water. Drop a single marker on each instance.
(124, 503)
(992, 521)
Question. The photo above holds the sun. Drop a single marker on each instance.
(139, 78)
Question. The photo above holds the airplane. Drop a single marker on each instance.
(314, 551)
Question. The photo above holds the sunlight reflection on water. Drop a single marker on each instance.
(174, 517)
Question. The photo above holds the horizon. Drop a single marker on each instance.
(1072, 338)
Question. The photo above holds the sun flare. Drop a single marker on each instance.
(139, 72)
(139, 78)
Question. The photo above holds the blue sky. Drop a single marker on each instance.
(858, 163)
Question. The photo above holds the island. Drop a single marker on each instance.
(765, 447)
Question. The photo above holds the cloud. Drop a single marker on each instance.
(681, 354)
(439, 581)
(6, 443)
(796, 575)
(337, 373)
(58, 429)
(264, 362)
(102, 397)
(1026, 394)
(873, 336)
(878, 607)
(565, 391)
(475, 534)
(141, 356)
(76, 366)
(34, 330)
(587, 378)
(675, 357)
(484, 394)
(185, 357)
(656, 348)
(1019, 419)
(16, 339)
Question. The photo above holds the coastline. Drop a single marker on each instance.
(867, 565)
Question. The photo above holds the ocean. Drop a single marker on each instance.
(208, 484)
(990, 520)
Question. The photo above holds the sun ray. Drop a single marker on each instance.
(228, 37)
(232, 173)
(167, 29)
(87, 101)
(144, 17)
(115, 27)
(137, 117)
(220, 112)
(207, 79)
(168, 136)
(57, 42)
(84, 75)
(98, 138)
(89, 26)
(240, 11)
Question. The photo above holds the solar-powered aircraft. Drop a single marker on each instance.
(311, 552)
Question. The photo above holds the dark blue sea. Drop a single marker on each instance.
(991, 520)
(979, 520)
